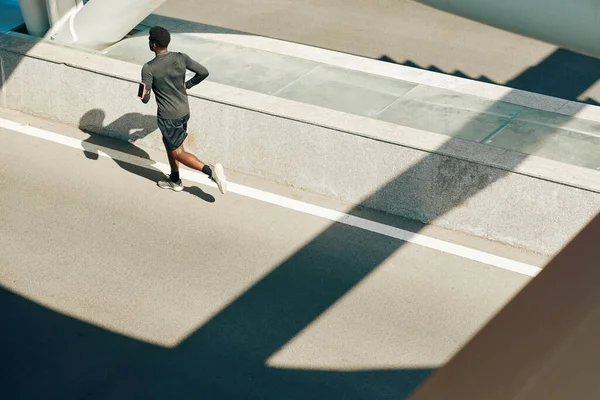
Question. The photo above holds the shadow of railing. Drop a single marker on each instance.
(46, 354)
(563, 74)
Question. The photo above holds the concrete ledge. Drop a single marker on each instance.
(529, 202)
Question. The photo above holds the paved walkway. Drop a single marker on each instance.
(115, 289)
(403, 102)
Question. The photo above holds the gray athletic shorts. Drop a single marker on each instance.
(174, 131)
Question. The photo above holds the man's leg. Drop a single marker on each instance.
(174, 165)
(173, 182)
(190, 160)
(174, 133)
(187, 159)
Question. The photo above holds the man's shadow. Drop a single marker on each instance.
(135, 126)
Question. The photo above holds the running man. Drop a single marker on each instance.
(165, 75)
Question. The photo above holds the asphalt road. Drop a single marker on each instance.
(111, 288)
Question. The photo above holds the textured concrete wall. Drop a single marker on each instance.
(531, 203)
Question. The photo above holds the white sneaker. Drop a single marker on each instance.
(169, 184)
(218, 176)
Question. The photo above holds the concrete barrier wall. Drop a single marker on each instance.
(505, 196)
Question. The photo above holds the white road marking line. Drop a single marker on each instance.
(337, 216)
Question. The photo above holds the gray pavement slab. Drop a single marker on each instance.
(345, 90)
(114, 288)
(570, 140)
(449, 113)
(256, 70)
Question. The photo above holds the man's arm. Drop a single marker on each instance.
(194, 66)
(147, 79)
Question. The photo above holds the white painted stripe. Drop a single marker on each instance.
(337, 216)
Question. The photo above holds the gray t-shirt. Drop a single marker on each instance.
(165, 75)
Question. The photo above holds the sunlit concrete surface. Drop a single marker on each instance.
(114, 288)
